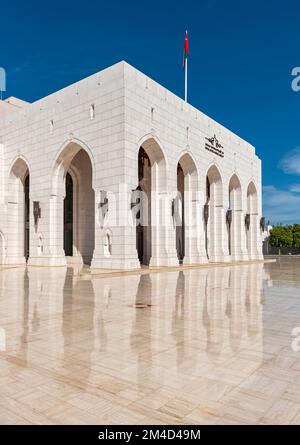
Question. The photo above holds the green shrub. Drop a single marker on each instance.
(281, 236)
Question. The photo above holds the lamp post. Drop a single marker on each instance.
(229, 221)
(36, 211)
(103, 205)
(206, 216)
(263, 223)
(247, 221)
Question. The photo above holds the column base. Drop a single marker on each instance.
(256, 256)
(164, 262)
(76, 259)
(197, 259)
(115, 263)
(219, 259)
(239, 256)
(15, 260)
(56, 261)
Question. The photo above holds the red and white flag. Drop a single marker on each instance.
(186, 50)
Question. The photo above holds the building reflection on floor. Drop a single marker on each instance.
(207, 345)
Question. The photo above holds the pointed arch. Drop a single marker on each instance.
(214, 178)
(156, 155)
(2, 248)
(187, 222)
(152, 180)
(252, 204)
(188, 163)
(18, 211)
(153, 146)
(253, 228)
(64, 157)
(235, 193)
(19, 167)
(235, 224)
(215, 214)
(72, 202)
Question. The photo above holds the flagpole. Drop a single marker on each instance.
(185, 79)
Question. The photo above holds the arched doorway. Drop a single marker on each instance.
(150, 232)
(180, 223)
(143, 227)
(74, 198)
(251, 221)
(68, 217)
(234, 221)
(27, 217)
(18, 249)
(214, 215)
(206, 214)
(2, 249)
(186, 218)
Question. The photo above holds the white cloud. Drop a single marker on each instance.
(295, 188)
(281, 206)
(290, 163)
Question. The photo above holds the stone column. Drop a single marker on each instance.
(15, 233)
(53, 249)
(162, 228)
(255, 238)
(194, 239)
(216, 233)
(163, 233)
(120, 224)
(236, 235)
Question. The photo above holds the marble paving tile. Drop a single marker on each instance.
(208, 348)
(283, 412)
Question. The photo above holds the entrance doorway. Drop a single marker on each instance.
(143, 228)
(17, 248)
(252, 213)
(68, 217)
(235, 228)
(180, 232)
(78, 224)
(186, 210)
(151, 235)
(26, 217)
(214, 215)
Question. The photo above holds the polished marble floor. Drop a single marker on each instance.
(199, 346)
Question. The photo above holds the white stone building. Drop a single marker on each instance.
(70, 162)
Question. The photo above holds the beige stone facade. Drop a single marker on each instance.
(71, 165)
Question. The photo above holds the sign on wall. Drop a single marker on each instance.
(212, 144)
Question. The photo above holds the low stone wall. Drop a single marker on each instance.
(270, 250)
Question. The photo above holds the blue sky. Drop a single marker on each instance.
(241, 58)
